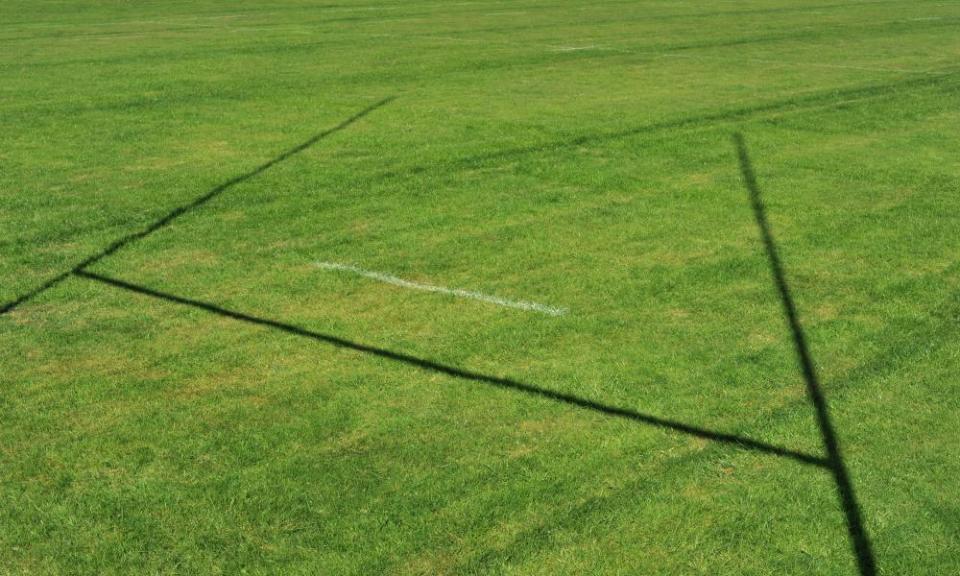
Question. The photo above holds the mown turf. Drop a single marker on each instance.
(575, 154)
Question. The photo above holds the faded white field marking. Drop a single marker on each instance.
(573, 48)
(460, 293)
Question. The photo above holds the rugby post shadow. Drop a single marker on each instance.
(859, 539)
(179, 211)
(833, 461)
(81, 270)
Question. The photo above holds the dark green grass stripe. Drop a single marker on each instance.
(796, 103)
(820, 30)
(903, 341)
(461, 10)
(533, 59)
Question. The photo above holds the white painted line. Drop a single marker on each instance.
(573, 48)
(388, 279)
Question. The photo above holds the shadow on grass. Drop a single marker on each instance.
(193, 205)
(793, 103)
(833, 461)
(859, 538)
(796, 102)
(506, 383)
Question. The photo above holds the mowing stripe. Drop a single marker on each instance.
(460, 293)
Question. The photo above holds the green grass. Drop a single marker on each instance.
(145, 436)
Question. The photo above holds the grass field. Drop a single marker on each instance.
(749, 213)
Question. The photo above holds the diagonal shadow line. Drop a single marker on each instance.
(506, 383)
(801, 102)
(859, 538)
(179, 211)
(832, 97)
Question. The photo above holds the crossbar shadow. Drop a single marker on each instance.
(859, 539)
(179, 211)
(831, 97)
(828, 98)
(453, 371)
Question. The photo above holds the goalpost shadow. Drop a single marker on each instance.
(832, 461)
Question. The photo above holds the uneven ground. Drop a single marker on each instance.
(177, 400)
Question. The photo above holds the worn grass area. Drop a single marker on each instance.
(569, 153)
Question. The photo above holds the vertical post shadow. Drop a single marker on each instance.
(860, 540)
(179, 211)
